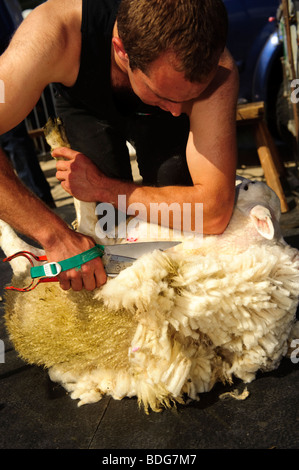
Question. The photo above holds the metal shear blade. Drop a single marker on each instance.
(120, 256)
(114, 264)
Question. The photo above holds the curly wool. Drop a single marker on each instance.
(172, 324)
(165, 327)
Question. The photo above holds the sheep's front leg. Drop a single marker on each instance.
(86, 218)
(11, 243)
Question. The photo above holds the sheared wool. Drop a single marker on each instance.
(172, 324)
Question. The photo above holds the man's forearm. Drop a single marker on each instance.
(24, 211)
(216, 209)
(83, 180)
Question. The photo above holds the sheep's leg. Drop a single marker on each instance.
(11, 244)
(86, 218)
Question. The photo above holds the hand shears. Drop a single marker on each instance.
(118, 258)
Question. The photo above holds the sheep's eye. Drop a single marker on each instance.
(246, 187)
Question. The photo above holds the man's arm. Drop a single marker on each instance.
(27, 214)
(211, 158)
(44, 49)
(212, 146)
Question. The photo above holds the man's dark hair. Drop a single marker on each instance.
(194, 30)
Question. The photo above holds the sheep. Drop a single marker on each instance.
(174, 323)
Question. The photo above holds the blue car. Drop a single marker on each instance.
(257, 48)
(253, 42)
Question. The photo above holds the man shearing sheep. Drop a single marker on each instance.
(152, 72)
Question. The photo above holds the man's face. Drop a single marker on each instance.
(164, 87)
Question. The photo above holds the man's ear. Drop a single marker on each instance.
(120, 50)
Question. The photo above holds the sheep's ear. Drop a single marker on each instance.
(262, 220)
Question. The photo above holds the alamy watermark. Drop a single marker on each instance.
(295, 92)
(2, 92)
(295, 353)
(2, 352)
(154, 221)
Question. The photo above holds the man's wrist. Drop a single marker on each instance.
(52, 232)
(110, 189)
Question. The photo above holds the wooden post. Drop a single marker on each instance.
(253, 114)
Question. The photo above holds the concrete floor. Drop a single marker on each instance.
(38, 414)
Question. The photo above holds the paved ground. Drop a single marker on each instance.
(38, 414)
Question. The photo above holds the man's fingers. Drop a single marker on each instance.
(64, 152)
(60, 175)
(62, 165)
(62, 170)
(89, 276)
(100, 277)
(64, 282)
(93, 274)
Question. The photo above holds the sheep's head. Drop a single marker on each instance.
(260, 202)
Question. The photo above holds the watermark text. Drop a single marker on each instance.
(295, 92)
(2, 92)
(155, 221)
(295, 353)
(2, 352)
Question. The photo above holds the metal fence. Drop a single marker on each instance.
(37, 119)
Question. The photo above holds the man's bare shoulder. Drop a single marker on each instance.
(61, 15)
(51, 35)
(58, 12)
(63, 7)
(223, 88)
(45, 48)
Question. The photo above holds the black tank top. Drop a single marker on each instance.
(92, 90)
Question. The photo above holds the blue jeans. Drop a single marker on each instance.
(20, 149)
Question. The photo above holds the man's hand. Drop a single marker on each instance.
(23, 211)
(91, 274)
(78, 175)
